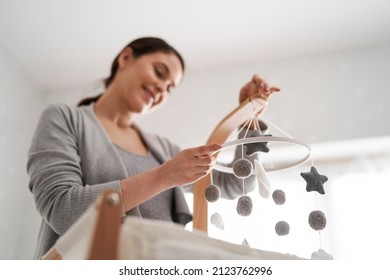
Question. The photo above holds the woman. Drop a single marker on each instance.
(76, 153)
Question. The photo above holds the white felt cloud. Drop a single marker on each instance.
(321, 255)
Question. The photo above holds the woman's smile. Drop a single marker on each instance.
(149, 96)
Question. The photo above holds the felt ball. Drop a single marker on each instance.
(242, 168)
(244, 206)
(279, 197)
(212, 193)
(282, 228)
(216, 220)
(317, 220)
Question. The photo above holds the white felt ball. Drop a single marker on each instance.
(212, 193)
(317, 220)
(216, 219)
(244, 205)
(242, 168)
(282, 228)
(279, 197)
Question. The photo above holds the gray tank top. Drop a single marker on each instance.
(158, 207)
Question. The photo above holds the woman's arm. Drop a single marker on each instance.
(185, 168)
(55, 169)
(57, 179)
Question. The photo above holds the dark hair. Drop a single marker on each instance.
(141, 46)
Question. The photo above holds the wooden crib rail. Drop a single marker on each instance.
(105, 234)
(105, 238)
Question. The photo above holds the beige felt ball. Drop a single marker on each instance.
(242, 168)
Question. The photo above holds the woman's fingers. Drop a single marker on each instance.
(190, 164)
(257, 85)
(205, 150)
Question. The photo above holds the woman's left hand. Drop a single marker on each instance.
(257, 86)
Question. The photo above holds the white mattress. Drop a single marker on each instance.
(149, 239)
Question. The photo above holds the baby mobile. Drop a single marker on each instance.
(255, 142)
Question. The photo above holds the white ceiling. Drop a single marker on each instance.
(72, 42)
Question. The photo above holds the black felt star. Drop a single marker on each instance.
(314, 180)
(252, 148)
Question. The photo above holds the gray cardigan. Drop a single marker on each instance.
(72, 160)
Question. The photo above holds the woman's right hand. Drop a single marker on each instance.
(189, 165)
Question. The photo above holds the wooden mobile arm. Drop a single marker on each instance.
(220, 134)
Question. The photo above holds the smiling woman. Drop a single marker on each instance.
(139, 48)
(77, 153)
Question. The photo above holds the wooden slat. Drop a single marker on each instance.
(105, 238)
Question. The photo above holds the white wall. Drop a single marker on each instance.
(323, 98)
(335, 96)
(21, 103)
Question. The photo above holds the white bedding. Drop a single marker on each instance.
(149, 239)
(146, 239)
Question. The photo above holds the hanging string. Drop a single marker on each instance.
(246, 123)
(316, 203)
(319, 236)
(277, 128)
(211, 177)
(311, 160)
(246, 132)
(251, 120)
(257, 126)
(248, 128)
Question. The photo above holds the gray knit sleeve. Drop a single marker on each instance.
(54, 167)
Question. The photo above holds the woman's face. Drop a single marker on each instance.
(145, 82)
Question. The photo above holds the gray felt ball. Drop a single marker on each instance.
(244, 205)
(279, 197)
(282, 228)
(242, 168)
(317, 220)
(212, 193)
